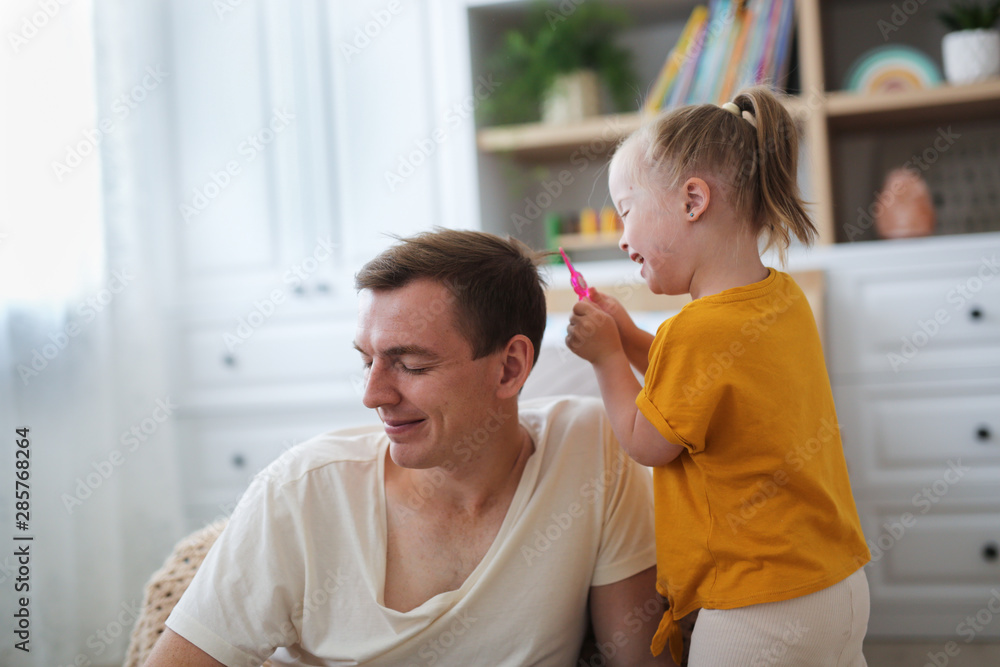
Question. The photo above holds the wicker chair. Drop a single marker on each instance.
(165, 588)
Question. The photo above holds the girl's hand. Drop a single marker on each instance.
(634, 340)
(592, 333)
(614, 308)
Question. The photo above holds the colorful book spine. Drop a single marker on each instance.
(734, 71)
(678, 94)
(678, 56)
(762, 11)
(733, 24)
(707, 67)
(736, 32)
(767, 56)
(728, 46)
(783, 55)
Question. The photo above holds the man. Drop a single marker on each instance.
(466, 530)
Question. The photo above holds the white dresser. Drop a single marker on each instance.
(913, 348)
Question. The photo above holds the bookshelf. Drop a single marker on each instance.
(539, 141)
(936, 105)
(838, 127)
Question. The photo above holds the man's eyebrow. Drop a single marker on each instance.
(404, 350)
(410, 350)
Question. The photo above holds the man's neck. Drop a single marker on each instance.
(472, 481)
(442, 521)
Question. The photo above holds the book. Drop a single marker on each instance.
(733, 22)
(734, 71)
(719, 23)
(755, 45)
(675, 60)
(764, 69)
(783, 53)
(726, 47)
(678, 93)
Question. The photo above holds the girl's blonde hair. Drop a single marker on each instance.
(756, 166)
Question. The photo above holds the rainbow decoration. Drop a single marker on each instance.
(892, 68)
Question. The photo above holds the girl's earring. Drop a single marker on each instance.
(691, 214)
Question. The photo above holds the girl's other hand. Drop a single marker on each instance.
(593, 333)
(634, 340)
(612, 307)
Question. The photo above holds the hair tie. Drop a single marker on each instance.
(735, 110)
(731, 108)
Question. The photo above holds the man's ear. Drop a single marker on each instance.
(518, 357)
(697, 195)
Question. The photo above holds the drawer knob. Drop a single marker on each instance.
(991, 552)
(323, 288)
(239, 461)
(300, 290)
(229, 360)
(983, 433)
(976, 313)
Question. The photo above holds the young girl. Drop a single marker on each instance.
(755, 521)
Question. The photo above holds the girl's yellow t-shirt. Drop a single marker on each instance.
(759, 506)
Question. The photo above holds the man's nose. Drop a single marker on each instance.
(379, 390)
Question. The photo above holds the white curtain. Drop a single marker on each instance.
(83, 283)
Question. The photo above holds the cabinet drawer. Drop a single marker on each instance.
(920, 430)
(917, 319)
(222, 454)
(918, 547)
(912, 430)
(274, 353)
(931, 572)
(948, 549)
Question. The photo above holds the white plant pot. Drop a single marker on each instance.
(971, 55)
(572, 97)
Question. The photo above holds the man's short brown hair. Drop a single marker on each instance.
(497, 288)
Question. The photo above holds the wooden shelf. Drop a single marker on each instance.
(540, 142)
(543, 142)
(851, 111)
(588, 241)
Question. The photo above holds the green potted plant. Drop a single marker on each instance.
(551, 67)
(971, 51)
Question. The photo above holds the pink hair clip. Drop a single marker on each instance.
(576, 278)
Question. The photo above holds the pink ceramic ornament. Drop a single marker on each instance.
(906, 208)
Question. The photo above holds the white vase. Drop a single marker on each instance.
(572, 97)
(971, 55)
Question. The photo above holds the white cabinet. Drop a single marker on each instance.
(930, 316)
(251, 141)
(914, 356)
(289, 120)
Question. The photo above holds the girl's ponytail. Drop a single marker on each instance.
(781, 210)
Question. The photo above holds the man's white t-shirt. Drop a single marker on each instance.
(301, 563)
